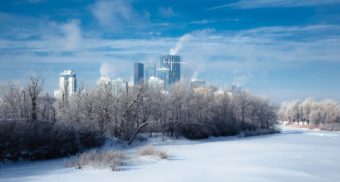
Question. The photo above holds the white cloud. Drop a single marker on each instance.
(213, 55)
(251, 4)
(117, 14)
(254, 45)
(210, 21)
(72, 34)
(39, 34)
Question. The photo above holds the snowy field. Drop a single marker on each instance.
(293, 155)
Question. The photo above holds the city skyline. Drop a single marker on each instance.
(170, 90)
(280, 50)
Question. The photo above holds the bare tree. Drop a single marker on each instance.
(34, 89)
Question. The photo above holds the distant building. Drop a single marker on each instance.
(173, 63)
(197, 83)
(116, 86)
(67, 84)
(163, 74)
(119, 87)
(235, 88)
(205, 90)
(104, 82)
(223, 92)
(149, 71)
(155, 82)
(138, 73)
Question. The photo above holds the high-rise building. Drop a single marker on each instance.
(138, 73)
(116, 86)
(119, 87)
(149, 71)
(173, 63)
(67, 84)
(163, 73)
(104, 83)
(235, 88)
(155, 82)
(197, 83)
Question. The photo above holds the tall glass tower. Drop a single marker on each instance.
(173, 64)
(149, 71)
(163, 74)
(138, 73)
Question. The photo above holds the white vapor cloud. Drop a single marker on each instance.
(106, 70)
(179, 44)
(251, 4)
(72, 35)
(240, 78)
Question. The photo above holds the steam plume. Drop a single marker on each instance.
(106, 70)
(181, 41)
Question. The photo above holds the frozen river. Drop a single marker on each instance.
(293, 155)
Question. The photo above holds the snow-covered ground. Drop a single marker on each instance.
(293, 155)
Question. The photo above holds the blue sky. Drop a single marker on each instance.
(281, 49)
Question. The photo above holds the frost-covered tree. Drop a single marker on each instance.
(310, 111)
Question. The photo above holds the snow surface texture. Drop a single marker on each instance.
(294, 155)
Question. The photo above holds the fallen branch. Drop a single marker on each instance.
(137, 131)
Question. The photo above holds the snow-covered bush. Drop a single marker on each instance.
(149, 150)
(97, 159)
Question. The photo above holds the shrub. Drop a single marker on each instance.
(192, 131)
(97, 159)
(34, 140)
(268, 131)
(330, 127)
(149, 150)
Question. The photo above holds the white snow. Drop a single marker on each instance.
(294, 155)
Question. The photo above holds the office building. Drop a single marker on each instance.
(67, 84)
(119, 87)
(138, 73)
(173, 64)
(149, 71)
(163, 74)
(197, 83)
(104, 83)
(155, 82)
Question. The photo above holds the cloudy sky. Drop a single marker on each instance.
(281, 49)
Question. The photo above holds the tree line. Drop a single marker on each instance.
(311, 112)
(35, 125)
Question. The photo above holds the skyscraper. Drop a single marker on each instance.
(119, 87)
(173, 64)
(163, 74)
(67, 84)
(155, 82)
(138, 73)
(149, 71)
